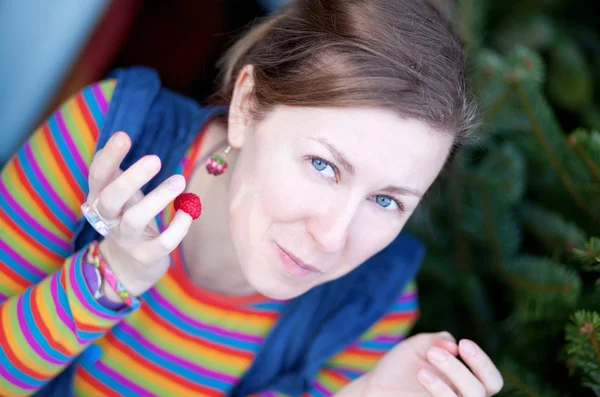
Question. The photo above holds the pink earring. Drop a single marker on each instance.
(216, 165)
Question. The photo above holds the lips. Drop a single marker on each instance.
(302, 264)
(302, 267)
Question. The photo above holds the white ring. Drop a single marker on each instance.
(98, 222)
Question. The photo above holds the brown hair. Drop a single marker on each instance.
(395, 54)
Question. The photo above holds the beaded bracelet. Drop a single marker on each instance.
(94, 257)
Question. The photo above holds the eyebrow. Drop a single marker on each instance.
(403, 191)
(340, 158)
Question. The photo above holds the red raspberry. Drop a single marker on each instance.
(189, 203)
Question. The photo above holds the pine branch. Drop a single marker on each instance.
(490, 193)
(537, 32)
(493, 90)
(570, 83)
(543, 288)
(589, 255)
(583, 346)
(503, 173)
(587, 147)
(584, 333)
(525, 80)
(470, 23)
(551, 228)
(502, 232)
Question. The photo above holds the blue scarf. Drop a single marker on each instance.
(312, 327)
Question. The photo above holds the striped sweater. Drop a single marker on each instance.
(182, 341)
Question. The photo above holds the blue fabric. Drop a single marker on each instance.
(314, 326)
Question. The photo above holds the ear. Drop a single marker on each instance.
(239, 109)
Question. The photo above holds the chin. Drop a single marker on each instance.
(274, 283)
(273, 287)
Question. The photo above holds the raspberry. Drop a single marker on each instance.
(189, 203)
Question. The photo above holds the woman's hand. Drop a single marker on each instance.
(426, 365)
(137, 253)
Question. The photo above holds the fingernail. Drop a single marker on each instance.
(468, 346)
(150, 162)
(118, 141)
(426, 376)
(175, 182)
(437, 354)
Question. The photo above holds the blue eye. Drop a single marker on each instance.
(319, 164)
(386, 202)
(383, 201)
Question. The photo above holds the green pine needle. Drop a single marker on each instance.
(542, 288)
(570, 83)
(489, 81)
(537, 32)
(526, 78)
(587, 146)
(583, 346)
(470, 23)
(589, 255)
(503, 170)
(526, 66)
(551, 229)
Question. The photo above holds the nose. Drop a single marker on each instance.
(331, 225)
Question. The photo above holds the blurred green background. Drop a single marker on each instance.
(513, 226)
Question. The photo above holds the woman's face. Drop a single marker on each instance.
(317, 191)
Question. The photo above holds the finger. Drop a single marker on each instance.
(122, 230)
(422, 341)
(446, 341)
(106, 162)
(138, 216)
(447, 335)
(164, 244)
(434, 385)
(114, 196)
(456, 372)
(136, 198)
(481, 364)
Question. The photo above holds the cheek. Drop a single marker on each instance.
(246, 215)
(286, 193)
(261, 194)
(371, 233)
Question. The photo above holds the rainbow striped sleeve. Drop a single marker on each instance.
(47, 313)
(361, 356)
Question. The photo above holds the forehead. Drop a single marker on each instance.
(370, 138)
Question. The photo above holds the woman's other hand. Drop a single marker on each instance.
(428, 365)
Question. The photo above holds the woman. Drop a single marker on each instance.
(296, 279)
